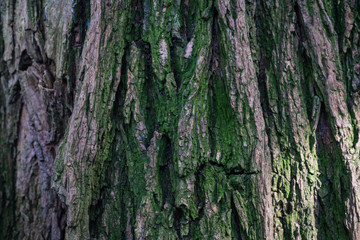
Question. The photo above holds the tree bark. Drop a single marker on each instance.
(180, 119)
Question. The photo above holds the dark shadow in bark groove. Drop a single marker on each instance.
(263, 64)
(268, 69)
(166, 170)
(95, 213)
(149, 91)
(61, 210)
(187, 17)
(215, 76)
(200, 198)
(339, 26)
(263, 37)
(25, 61)
(175, 43)
(177, 222)
(79, 26)
(335, 183)
(121, 89)
(145, 47)
(235, 221)
(80, 23)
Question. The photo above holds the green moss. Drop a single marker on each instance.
(333, 193)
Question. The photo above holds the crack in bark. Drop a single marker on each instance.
(177, 222)
(235, 220)
(166, 171)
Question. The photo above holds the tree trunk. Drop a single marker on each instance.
(180, 119)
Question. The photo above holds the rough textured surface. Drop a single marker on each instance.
(180, 119)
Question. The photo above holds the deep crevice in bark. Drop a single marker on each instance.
(339, 25)
(263, 63)
(61, 209)
(333, 191)
(266, 43)
(25, 61)
(166, 170)
(149, 88)
(175, 43)
(177, 222)
(79, 27)
(215, 75)
(121, 89)
(80, 23)
(95, 214)
(188, 21)
(200, 198)
(235, 221)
